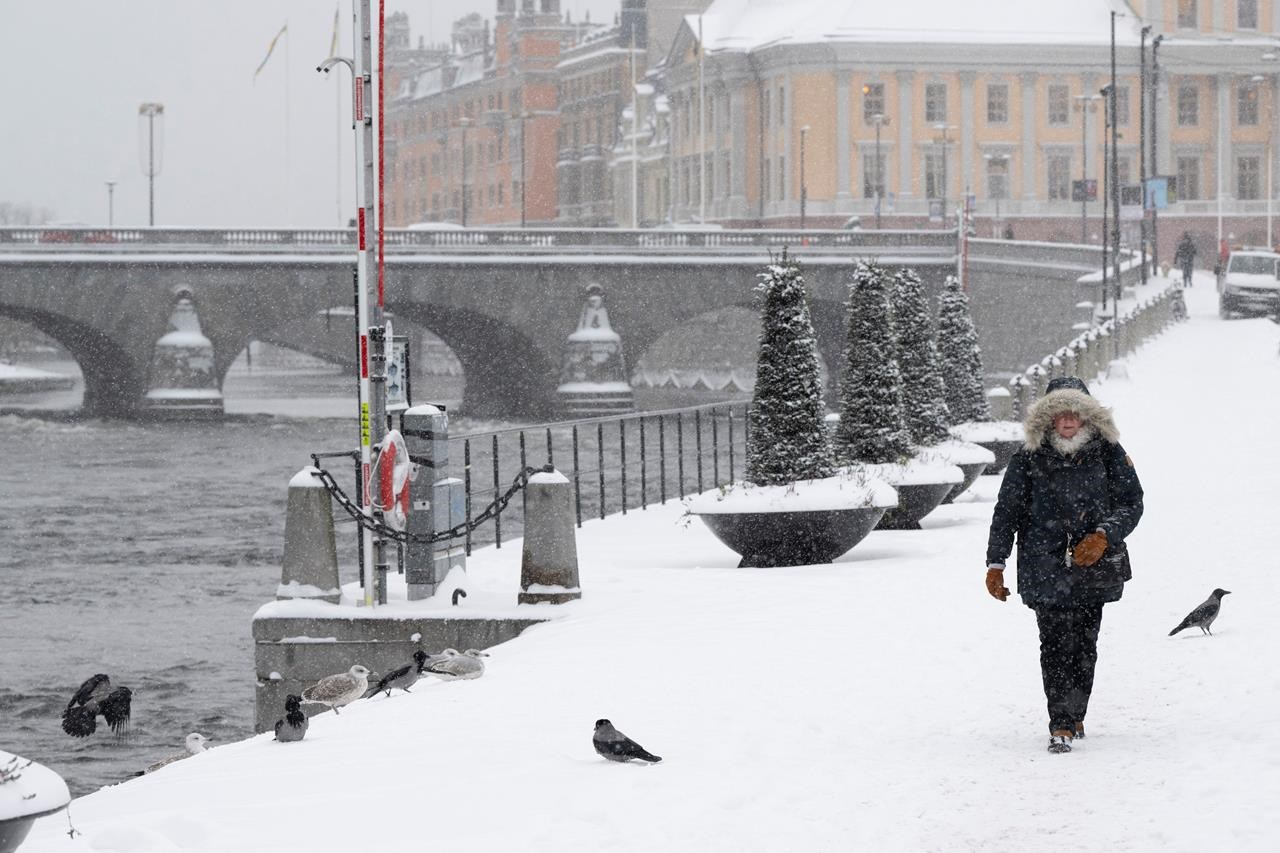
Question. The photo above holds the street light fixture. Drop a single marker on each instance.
(1087, 104)
(111, 204)
(150, 111)
(945, 142)
(524, 116)
(804, 189)
(464, 123)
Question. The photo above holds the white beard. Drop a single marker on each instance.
(1068, 446)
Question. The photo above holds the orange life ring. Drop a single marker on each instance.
(394, 474)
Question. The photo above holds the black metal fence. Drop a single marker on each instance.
(616, 464)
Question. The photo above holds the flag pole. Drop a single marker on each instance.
(288, 199)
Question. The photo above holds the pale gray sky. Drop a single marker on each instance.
(81, 68)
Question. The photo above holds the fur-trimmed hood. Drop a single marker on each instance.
(1040, 419)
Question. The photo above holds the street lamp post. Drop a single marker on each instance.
(945, 142)
(878, 120)
(524, 116)
(111, 204)
(804, 189)
(464, 123)
(151, 110)
(1087, 105)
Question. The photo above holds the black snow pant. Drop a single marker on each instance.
(1068, 654)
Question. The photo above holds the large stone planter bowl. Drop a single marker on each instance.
(972, 471)
(1003, 448)
(914, 503)
(796, 538)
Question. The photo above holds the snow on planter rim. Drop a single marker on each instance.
(915, 472)
(37, 789)
(957, 452)
(843, 491)
(988, 431)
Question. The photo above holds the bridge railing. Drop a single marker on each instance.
(467, 239)
(616, 464)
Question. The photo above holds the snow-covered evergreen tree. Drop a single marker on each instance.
(871, 422)
(924, 404)
(788, 440)
(960, 357)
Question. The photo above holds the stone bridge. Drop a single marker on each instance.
(503, 300)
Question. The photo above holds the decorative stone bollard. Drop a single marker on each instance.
(549, 563)
(310, 566)
(1000, 404)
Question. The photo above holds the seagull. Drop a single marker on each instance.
(1202, 617)
(293, 725)
(338, 690)
(451, 666)
(95, 697)
(195, 745)
(404, 677)
(616, 746)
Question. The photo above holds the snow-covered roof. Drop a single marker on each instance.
(743, 25)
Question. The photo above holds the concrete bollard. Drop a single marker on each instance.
(549, 563)
(310, 566)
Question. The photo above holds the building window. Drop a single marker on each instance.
(1248, 178)
(998, 103)
(1122, 106)
(998, 178)
(1247, 14)
(1188, 105)
(872, 102)
(933, 175)
(1059, 104)
(1124, 170)
(1059, 177)
(1187, 14)
(782, 177)
(1247, 104)
(935, 102)
(1188, 178)
(872, 176)
(765, 109)
(782, 106)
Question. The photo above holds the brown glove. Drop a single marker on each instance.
(1089, 549)
(995, 584)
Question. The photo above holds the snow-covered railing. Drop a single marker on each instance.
(1091, 353)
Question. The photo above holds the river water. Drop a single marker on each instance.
(142, 551)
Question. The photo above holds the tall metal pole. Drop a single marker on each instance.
(1142, 145)
(111, 204)
(1115, 173)
(878, 118)
(635, 138)
(151, 110)
(1106, 189)
(466, 156)
(702, 135)
(524, 116)
(804, 189)
(1155, 125)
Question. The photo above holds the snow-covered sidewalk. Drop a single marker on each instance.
(882, 703)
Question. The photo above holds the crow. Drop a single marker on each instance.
(338, 690)
(96, 696)
(404, 677)
(292, 726)
(616, 746)
(1202, 617)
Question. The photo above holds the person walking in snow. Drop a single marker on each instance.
(1070, 497)
(1184, 256)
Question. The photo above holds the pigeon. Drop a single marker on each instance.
(449, 665)
(96, 696)
(616, 746)
(195, 745)
(293, 725)
(404, 677)
(338, 690)
(1202, 617)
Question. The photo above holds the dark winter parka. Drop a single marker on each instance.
(1050, 502)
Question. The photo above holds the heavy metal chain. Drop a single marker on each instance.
(379, 528)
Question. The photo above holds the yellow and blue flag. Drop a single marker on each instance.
(270, 49)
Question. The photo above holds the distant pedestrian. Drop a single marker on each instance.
(1070, 496)
(1184, 256)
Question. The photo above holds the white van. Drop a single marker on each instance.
(1251, 284)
